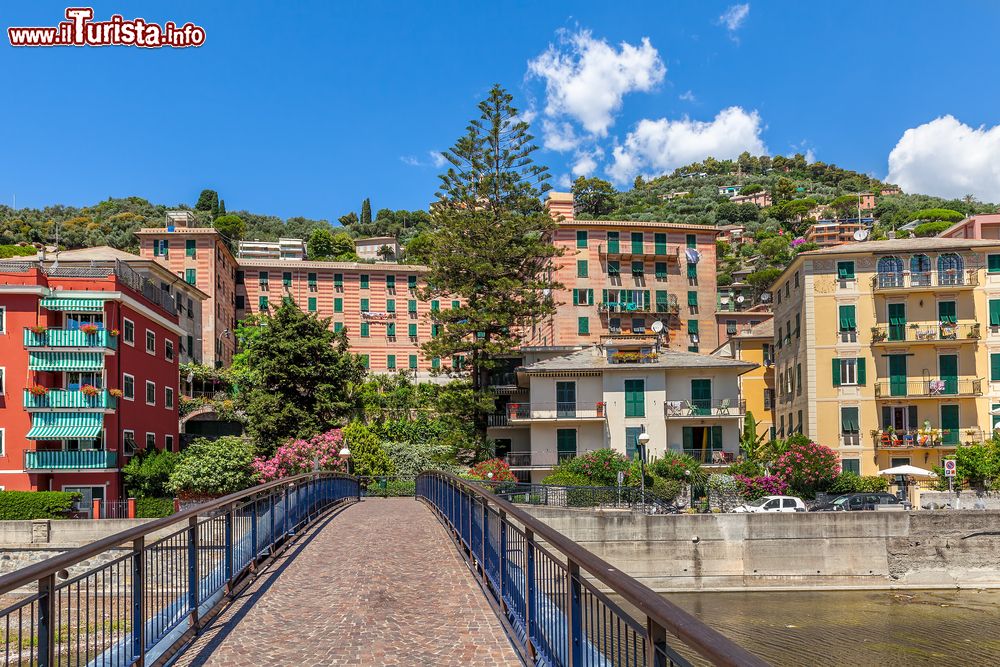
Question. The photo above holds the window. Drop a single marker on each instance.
(632, 441)
(848, 324)
(3, 451)
(286, 279)
(390, 362)
(190, 345)
(390, 305)
(768, 399)
(850, 465)
(845, 270)
(849, 429)
(995, 367)
(435, 306)
(262, 303)
(565, 444)
(312, 304)
(338, 281)
(365, 281)
(660, 270)
(168, 349)
(413, 362)
(411, 306)
(161, 247)
(848, 372)
(263, 280)
(411, 282)
(693, 329)
(365, 329)
(150, 392)
(390, 329)
(637, 269)
(150, 441)
(313, 287)
(412, 331)
(660, 243)
(455, 305)
(436, 363)
(240, 277)
(338, 327)
(692, 300)
(583, 297)
(190, 247)
(338, 305)
(635, 398)
(796, 279)
(692, 271)
(128, 331)
(364, 305)
(435, 330)
(995, 312)
(2, 381)
(612, 243)
(798, 323)
(581, 238)
(168, 398)
(366, 360)
(150, 342)
(241, 302)
(3, 319)
(583, 326)
(390, 283)
(582, 270)
(692, 241)
(798, 379)
(993, 263)
(190, 307)
(731, 327)
(168, 443)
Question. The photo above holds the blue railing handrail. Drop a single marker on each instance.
(548, 599)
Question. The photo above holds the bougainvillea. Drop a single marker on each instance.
(807, 467)
(752, 488)
(300, 456)
(499, 468)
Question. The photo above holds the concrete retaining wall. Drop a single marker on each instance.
(801, 550)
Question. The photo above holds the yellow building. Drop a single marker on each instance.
(889, 351)
(756, 345)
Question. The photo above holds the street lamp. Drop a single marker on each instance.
(345, 454)
(642, 441)
(687, 476)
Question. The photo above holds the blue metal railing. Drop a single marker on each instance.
(54, 337)
(158, 582)
(69, 398)
(80, 459)
(549, 594)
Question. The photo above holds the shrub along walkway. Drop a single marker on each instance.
(380, 583)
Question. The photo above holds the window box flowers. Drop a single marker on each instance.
(90, 329)
(114, 333)
(38, 390)
(89, 390)
(117, 393)
(38, 330)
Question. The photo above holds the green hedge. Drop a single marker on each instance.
(27, 505)
(394, 488)
(153, 508)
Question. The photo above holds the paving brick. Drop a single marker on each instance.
(378, 584)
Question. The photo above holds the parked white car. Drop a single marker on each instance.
(773, 504)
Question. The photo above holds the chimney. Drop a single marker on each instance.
(560, 204)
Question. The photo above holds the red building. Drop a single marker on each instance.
(88, 376)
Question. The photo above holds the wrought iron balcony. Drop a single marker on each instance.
(710, 456)
(925, 438)
(69, 398)
(83, 459)
(554, 411)
(929, 388)
(716, 407)
(926, 332)
(626, 249)
(925, 280)
(65, 338)
(521, 460)
(497, 420)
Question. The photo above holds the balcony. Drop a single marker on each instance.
(930, 388)
(58, 399)
(705, 408)
(497, 420)
(710, 456)
(70, 338)
(628, 250)
(925, 438)
(524, 460)
(522, 412)
(85, 459)
(925, 280)
(926, 332)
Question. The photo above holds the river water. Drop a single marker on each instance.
(884, 628)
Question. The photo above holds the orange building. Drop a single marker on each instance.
(833, 232)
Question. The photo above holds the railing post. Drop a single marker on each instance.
(502, 560)
(131, 508)
(529, 587)
(138, 600)
(47, 622)
(193, 571)
(270, 499)
(284, 511)
(574, 615)
(230, 512)
(656, 638)
(484, 539)
(254, 547)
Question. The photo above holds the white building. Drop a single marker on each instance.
(606, 395)
(369, 248)
(291, 249)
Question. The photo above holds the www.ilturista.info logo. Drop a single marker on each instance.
(80, 30)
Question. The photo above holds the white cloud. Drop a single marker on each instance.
(559, 136)
(437, 159)
(564, 182)
(687, 96)
(586, 161)
(659, 146)
(586, 78)
(734, 16)
(810, 155)
(410, 161)
(948, 158)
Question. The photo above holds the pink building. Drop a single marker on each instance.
(982, 226)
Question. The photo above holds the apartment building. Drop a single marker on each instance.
(283, 248)
(619, 277)
(202, 258)
(889, 351)
(738, 307)
(88, 375)
(983, 226)
(760, 199)
(755, 344)
(828, 233)
(372, 248)
(606, 395)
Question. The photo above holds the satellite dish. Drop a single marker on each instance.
(861, 235)
(657, 326)
(724, 300)
(692, 255)
(739, 299)
(765, 297)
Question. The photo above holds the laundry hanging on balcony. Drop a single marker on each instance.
(65, 361)
(60, 425)
(74, 305)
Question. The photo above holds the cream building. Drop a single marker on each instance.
(889, 351)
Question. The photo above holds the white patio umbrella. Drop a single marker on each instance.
(907, 470)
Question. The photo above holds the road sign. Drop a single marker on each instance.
(949, 467)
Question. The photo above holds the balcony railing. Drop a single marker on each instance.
(70, 338)
(931, 388)
(497, 420)
(925, 437)
(519, 459)
(554, 411)
(69, 398)
(710, 456)
(926, 332)
(716, 407)
(883, 282)
(645, 250)
(84, 459)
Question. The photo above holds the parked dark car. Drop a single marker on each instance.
(853, 502)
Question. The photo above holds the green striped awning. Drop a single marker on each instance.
(74, 305)
(58, 425)
(65, 361)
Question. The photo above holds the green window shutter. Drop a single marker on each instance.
(390, 282)
(365, 281)
(849, 420)
(716, 437)
(338, 305)
(364, 305)
(635, 398)
(582, 270)
(338, 280)
(412, 328)
(847, 318)
(692, 271)
(436, 363)
(190, 276)
(365, 329)
(613, 242)
(190, 247)
(660, 243)
(390, 329)
(995, 312)
(661, 301)
(286, 278)
(435, 306)
(836, 372)
(312, 304)
(411, 282)
(692, 241)
(995, 367)
(845, 270)
(262, 303)
(411, 306)
(798, 322)
(263, 278)
(565, 443)
(637, 268)
(312, 280)
(581, 238)
(366, 360)
(693, 299)
(583, 326)
(455, 305)
(993, 263)
(645, 300)
(687, 438)
(946, 312)
(390, 362)
(614, 268)
(413, 361)
(590, 297)
(637, 243)
(338, 327)
(576, 297)
(862, 377)
(604, 296)
(661, 270)
(693, 327)
(390, 305)
(435, 330)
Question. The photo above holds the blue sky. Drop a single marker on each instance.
(305, 108)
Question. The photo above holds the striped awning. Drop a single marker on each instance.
(65, 361)
(74, 305)
(59, 425)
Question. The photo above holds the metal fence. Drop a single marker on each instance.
(550, 594)
(145, 595)
(603, 497)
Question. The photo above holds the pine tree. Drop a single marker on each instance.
(222, 207)
(366, 212)
(207, 200)
(491, 247)
(215, 207)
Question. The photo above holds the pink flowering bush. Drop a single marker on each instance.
(299, 456)
(807, 467)
(499, 468)
(752, 488)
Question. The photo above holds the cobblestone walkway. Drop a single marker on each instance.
(378, 584)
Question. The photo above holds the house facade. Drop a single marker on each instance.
(755, 344)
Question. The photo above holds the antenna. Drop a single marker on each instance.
(861, 235)
(765, 297)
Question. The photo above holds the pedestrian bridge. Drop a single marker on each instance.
(306, 572)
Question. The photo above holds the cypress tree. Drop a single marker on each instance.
(366, 212)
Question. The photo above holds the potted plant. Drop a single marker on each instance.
(114, 333)
(38, 390)
(878, 334)
(89, 390)
(38, 330)
(90, 329)
(600, 408)
(117, 393)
